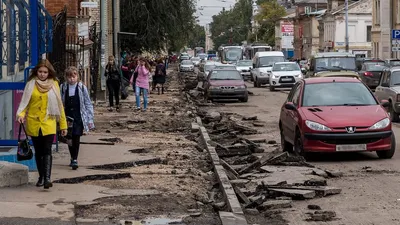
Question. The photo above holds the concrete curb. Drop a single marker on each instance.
(236, 216)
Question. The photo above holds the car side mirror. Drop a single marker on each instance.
(250, 67)
(290, 106)
(385, 103)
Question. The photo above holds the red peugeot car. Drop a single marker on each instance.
(335, 114)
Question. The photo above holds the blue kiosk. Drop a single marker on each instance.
(27, 34)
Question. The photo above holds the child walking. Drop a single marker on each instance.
(142, 83)
(79, 111)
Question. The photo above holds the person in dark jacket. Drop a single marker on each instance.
(113, 83)
(160, 76)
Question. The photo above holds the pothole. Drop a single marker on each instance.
(123, 165)
(139, 150)
(76, 180)
(113, 140)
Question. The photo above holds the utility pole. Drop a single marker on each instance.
(347, 25)
(103, 30)
(115, 31)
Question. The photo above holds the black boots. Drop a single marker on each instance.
(162, 90)
(48, 161)
(39, 165)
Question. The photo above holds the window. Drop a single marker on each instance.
(336, 94)
(290, 96)
(377, 14)
(296, 96)
(369, 33)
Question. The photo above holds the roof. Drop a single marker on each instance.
(319, 80)
(291, 15)
(394, 68)
(342, 8)
(333, 54)
(312, 1)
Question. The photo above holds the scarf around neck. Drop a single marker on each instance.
(54, 102)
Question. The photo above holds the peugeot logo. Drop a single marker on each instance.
(350, 130)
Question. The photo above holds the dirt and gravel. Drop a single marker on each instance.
(181, 185)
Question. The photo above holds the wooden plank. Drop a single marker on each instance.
(275, 204)
(294, 193)
(319, 190)
(228, 167)
(241, 196)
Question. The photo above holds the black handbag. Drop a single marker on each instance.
(24, 148)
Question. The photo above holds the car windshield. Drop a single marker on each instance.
(374, 67)
(337, 94)
(187, 62)
(395, 63)
(286, 67)
(203, 56)
(335, 63)
(209, 67)
(395, 78)
(245, 63)
(225, 75)
(268, 61)
(233, 54)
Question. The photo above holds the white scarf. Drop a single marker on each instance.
(54, 102)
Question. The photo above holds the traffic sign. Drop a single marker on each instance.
(395, 34)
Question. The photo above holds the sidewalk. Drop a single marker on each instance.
(155, 171)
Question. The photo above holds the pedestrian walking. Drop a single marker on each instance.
(160, 76)
(78, 109)
(42, 106)
(142, 82)
(113, 83)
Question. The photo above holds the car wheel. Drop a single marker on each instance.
(286, 146)
(298, 144)
(394, 117)
(255, 83)
(245, 98)
(388, 154)
(271, 88)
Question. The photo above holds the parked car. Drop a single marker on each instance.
(361, 61)
(225, 84)
(392, 62)
(389, 89)
(331, 61)
(333, 114)
(244, 67)
(195, 61)
(184, 57)
(284, 74)
(205, 70)
(186, 66)
(262, 64)
(371, 71)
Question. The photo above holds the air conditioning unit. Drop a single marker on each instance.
(307, 10)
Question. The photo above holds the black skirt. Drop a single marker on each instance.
(159, 79)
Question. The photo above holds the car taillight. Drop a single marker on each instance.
(368, 74)
(398, 98)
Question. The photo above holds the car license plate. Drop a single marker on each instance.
(351, 148)
(286, 79)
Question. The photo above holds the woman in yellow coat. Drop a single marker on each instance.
(42, 107)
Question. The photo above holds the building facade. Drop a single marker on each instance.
(385, 17)
(333, 28)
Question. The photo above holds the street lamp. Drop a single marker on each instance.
(347, 25)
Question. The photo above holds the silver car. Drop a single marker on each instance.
(389, 89)
(284, 74)
(205, 70)
(195, 61)
(186, 66)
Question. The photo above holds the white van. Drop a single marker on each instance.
(262, 65)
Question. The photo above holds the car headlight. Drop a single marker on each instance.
(241, 87)
(316, 126)
(380, 125)
(213, 87)
(299, 75)
(263, 74)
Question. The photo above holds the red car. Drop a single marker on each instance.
(335, 114)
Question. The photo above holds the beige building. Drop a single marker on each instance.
(385, 17)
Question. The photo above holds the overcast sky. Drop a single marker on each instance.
(210, 8)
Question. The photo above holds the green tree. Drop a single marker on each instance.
(197, 37)
(270, 12)
(157, 23)
(232, 26)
